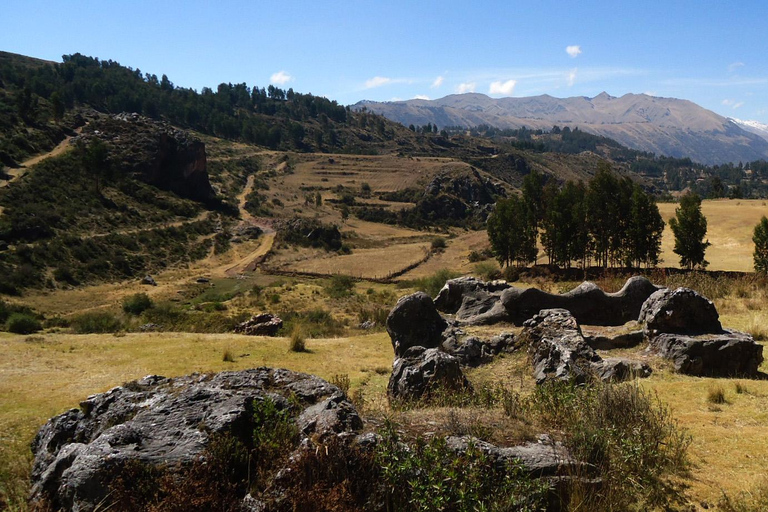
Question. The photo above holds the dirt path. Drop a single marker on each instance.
(20, 171)
(249, 262)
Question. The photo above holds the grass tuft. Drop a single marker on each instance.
(298, 342)
(716, 395)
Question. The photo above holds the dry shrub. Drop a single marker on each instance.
(755, 500)
(298, 342)
(716, 395)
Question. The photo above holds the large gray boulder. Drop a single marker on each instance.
(587, 302)
(681, 310)
(725, 354)
(683, 326)
(414, 322)
(420, 372)
(168, 423)
(475, 302)
(558, 351)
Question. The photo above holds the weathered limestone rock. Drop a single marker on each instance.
(264, 324)
(414, 322)
(682, 311)
(559, 352)
(725, 354)
(587, 302)
(420, 371)
(475, 302)
(469, 297)
(684, 327)
(169, 422)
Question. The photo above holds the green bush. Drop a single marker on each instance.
(96, 322)
(339, 286)
(22, 323)
(487, 270)
(136, 304)
(431, 476)
(438, 244)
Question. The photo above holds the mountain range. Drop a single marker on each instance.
(664, 126)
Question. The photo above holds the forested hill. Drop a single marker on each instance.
(34, 91)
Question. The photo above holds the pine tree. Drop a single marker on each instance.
(690, 226)
(760, 238)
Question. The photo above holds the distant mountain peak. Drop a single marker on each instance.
(664, 126)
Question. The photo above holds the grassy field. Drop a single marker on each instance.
(730, 223)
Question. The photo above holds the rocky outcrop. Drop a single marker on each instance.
(471, 188)
(682, 311)
(725, 354)
(418, 372)
(168, 423)
(558, 351)
(264, 324)
(488, 303)
(469, 297)
(414, 322)
(155, 152)
(683, 326)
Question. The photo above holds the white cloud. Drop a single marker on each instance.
(739, 104)
(736, 65)
(466, 87)
(732, 103)
(438, 82)
(571, 77)
(500, 87)
(574, 51)
(421, 97)
(650, 93)
(280, 78)
(377, 81)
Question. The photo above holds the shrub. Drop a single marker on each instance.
(625, 432)
(96, 322)
(136, 304)
(716, 395)
(431, 476)
(487, 271)
(228, 356)
(438, 244)
(339, 286)
(315, 323)
(22, 323)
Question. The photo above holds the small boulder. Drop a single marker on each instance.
(148, 280)
(414, 322)
(264, 324)
(419, 372)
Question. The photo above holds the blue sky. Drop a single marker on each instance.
(709, 52)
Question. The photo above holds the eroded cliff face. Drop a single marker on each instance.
(154, 152)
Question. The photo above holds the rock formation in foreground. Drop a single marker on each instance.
(169, 423)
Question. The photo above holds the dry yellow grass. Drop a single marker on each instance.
(730, 223)
(454, 257)
(366, 263)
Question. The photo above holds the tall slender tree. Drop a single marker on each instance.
(690, 226)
